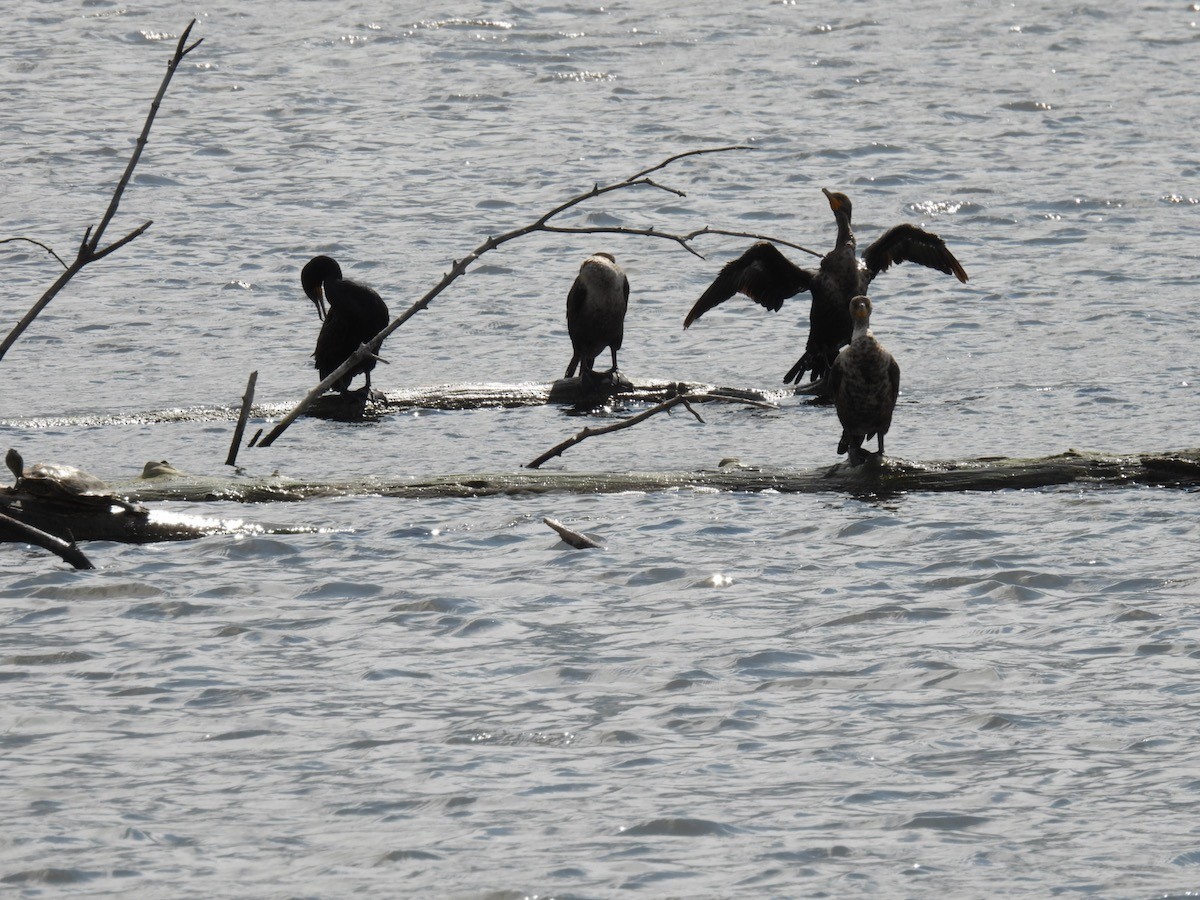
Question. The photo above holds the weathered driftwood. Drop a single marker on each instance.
(71, 523)
(686, 400)
(565, 391)
(89, 248)
(576, 539)
(240, 429)
(1180, 469)
(895, 476)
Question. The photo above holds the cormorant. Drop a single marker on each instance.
(356, 314)
(768, 278)
(596, 308)
(865, 381)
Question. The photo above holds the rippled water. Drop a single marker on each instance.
(768, 694)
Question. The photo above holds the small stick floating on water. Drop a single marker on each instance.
(576, 539)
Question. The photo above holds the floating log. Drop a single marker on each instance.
(566, 391)
(893, 476)
(354, 407)
(1178, 469)
(90, 523)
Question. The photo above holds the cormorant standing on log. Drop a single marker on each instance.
(865, 381)
(356, 314)
(596, 308)
(768, 278)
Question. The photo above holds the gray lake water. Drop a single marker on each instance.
(743, 694)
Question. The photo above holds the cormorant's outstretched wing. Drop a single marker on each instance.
(908, 242)
(762, 273)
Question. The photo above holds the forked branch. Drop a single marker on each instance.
(89, 248)
(686, 400)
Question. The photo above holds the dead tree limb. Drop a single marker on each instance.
(459, 266)
(576, 539)
(89, 248)
(16, 530)
(685, 399)
(240, 429)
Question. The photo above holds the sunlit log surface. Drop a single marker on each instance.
(436, 397)
(894, 476)
(83, 523)
(1175, 469)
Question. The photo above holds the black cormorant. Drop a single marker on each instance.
(596, 308)
(768, 277)
(356, 314)
(865, 381)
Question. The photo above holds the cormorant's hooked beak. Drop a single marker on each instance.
(835, 203)
(318, 299)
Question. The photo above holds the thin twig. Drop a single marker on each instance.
(691, 409)
(749, 234)
(89, 248)
(459, 266)
(685, 399)
(670, 159)
(65, 550)
(247, 401)
(38, 243)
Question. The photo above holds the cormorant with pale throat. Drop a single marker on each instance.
(596, 308)
(768, 278)
(356, 314)
(865, 382)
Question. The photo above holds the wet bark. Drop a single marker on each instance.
(1179, 469)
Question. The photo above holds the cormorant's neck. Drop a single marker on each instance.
(845, 235)
(862, 328)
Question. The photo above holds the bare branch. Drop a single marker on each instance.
(240, 428)
(749, 234)
(38, 243)
(680, 239)
(117, 245)
(89, 248)
(180, 52)
(691, 409)
(67, 551)
(670, 159)
(459, 266)
(685, 399)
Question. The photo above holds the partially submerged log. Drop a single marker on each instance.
(894, 476)
(82, 523)
(566, 391)
(496, 395)
(1179, 469)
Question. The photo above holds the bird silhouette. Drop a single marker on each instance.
(768, 278)
(356, 314)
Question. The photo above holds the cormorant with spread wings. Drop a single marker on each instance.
(768, 278)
